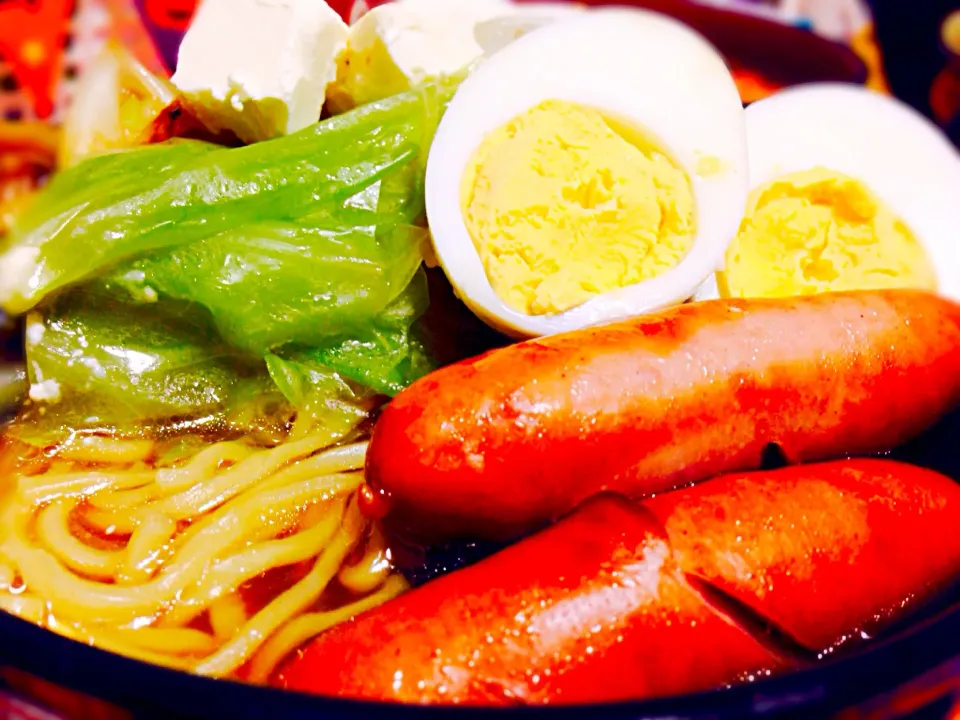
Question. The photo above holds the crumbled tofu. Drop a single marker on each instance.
(260, 68)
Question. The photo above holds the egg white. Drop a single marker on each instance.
(709, 290)
(895, 151)
(636, 66)
(496, 33)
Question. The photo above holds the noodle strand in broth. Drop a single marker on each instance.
(219, 563)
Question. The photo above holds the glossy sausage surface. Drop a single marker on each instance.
(622, 601)
(591, 609)
(823, 551)
(498, 445)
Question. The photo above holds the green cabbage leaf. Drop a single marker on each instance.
(164, 282)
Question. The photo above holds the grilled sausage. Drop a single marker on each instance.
(821, 551)
(501, 444)
(741, 574)
(591, 609)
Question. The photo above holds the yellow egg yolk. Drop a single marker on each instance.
(820, 231)
(562, 206)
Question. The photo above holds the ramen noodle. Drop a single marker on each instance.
(220, 563)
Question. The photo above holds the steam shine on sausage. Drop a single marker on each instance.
(612, 602)
(501, 444)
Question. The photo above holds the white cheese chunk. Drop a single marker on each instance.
(400, 44)
(260, 68)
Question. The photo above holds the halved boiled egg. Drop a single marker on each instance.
(851, 190)
(594, 169)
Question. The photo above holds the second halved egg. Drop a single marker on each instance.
(851, 190)
(592, 170)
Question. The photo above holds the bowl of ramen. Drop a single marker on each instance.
(487, 355)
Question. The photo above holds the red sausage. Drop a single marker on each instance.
(591, 609)
(600, 606)
(498, 445)
(819, 550)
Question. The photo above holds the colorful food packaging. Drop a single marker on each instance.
(45, 46)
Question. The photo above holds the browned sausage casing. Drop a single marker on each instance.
(822, 550)
(610, 604)
(500, 444)
(591, 609)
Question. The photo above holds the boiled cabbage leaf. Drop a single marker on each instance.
(120, 364)
(386, 356)
(172, 279)
(123, 205)
(329, 273)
